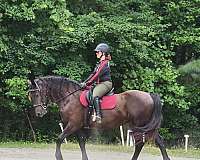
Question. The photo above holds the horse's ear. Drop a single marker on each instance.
(31, 78)
(29, 82)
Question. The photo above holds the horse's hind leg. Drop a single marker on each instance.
(159, 142)
(138, 148)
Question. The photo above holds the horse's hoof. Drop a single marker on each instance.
(58, 157)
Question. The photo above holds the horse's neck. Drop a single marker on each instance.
(58, 91)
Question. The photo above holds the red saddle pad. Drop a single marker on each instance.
(107, 102)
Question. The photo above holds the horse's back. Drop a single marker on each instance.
(138, 97)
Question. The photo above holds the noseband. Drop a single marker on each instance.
(43, 104)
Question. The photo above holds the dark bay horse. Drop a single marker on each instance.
(140, 110)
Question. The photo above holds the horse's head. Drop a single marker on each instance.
(38, 96)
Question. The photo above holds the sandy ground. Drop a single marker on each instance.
(48, 154)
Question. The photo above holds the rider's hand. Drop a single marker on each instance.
(83, 85)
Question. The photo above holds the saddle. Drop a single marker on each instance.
(107, 102)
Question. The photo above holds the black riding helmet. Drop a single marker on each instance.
(102, 47)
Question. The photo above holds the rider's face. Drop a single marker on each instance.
(99, 54)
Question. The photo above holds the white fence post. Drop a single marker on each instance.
(186, 142)
(122, 135)
(61, 127)
(129, 139)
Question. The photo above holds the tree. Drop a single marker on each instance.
(148, 41)
(191, 69)
(190, 77)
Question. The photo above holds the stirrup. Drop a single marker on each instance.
(98, 119)
(94, 116)
(86, 127)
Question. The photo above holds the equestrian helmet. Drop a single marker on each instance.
(102, 47)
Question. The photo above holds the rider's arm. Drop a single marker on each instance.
(97, 73)
(91, 75)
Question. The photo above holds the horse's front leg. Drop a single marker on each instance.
(68, 130)
(82, 137)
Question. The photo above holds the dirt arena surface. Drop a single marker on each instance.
(48, 154)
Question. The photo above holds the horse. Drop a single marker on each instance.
(141, 111)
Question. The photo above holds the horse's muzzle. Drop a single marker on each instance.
(41, 113)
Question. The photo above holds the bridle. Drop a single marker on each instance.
(43, 104)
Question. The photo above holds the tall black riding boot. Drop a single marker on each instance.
(97, 106)
(88, 111)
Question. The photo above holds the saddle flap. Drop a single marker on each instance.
(107, 102)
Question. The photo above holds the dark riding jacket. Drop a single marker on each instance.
(100, 74)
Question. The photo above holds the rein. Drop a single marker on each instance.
(68, 95)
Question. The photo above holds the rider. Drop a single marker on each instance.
(100, 77)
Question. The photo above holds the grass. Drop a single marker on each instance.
(192, 153)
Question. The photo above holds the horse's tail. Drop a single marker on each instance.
(156, 117)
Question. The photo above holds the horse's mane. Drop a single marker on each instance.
(59, 79)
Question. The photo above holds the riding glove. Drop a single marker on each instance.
(83, 85)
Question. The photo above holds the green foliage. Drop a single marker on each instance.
(166, 133)
(192, 90)
(17, 91)
(74, 69)
(191, 69)
(190, 77)
(17, 87)
(148, 41)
